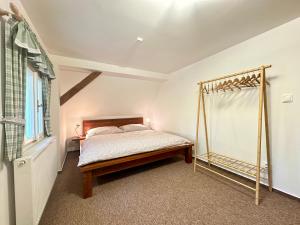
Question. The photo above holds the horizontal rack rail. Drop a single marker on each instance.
(236, 74)
(226, 177)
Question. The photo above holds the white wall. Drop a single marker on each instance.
(56, 115)
(62, 144)
(7, 211)
(233, 119)
(106, 96)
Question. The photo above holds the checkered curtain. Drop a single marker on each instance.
(46, 84)
(19, 45)
(14, 71)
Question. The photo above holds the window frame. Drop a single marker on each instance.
(39, 106)
(36, 107)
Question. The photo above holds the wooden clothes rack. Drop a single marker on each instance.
(233, 82)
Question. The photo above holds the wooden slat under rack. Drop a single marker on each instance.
(235, 165)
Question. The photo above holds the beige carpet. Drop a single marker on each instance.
(166, 192)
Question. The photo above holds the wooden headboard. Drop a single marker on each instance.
(89, 124)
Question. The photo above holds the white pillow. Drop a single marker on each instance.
(134, 127)
(103, 130)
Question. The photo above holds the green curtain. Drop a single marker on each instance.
(19, 46)
(46, 85)
(14, 71)
(37, 57)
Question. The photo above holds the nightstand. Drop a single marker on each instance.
(78, 139)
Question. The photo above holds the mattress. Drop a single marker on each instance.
(111, 146)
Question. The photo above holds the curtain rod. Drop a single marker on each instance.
(15, 12)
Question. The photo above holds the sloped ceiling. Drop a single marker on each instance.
(176, 32)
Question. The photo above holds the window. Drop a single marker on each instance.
(34, 125)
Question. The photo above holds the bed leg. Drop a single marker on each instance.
(87, 184)
(188, 155)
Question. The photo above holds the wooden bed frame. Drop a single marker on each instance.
(109, 166)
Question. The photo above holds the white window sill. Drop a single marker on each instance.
(33, 150)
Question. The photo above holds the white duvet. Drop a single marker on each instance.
(110, 146)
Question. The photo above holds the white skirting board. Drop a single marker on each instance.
(34, 176)
(63, 163)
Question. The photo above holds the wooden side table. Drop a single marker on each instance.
(78, 139)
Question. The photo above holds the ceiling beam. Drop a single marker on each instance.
(78, 87)
(107, 69)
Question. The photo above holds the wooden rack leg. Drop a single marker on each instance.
(267, 139)
(261, 94)
(197, 128)
(205, 126)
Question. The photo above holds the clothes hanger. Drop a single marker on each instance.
(229, 83)
(217, 87)
(205, 89)
(254, 80)
(236, 83)
(224, 84)
(258, 76)
(248, 82)
(221, 86)
(242, 81)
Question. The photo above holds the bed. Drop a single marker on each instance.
(104, 154)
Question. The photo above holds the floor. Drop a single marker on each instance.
(165, 192)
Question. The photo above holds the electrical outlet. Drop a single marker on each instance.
(287, 98)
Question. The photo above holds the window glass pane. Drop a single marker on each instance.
(29, 107)
(40, 105)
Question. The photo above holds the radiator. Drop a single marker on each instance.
(34, 176)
